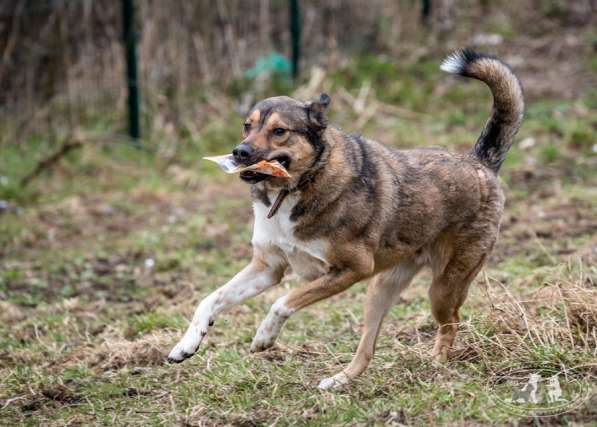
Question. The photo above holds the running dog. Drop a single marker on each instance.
(355, 209)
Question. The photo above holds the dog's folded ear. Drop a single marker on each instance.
(316, 111)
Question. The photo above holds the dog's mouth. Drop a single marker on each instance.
(253, 177)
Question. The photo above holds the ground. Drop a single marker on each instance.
(105, 256)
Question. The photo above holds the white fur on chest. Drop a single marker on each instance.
(307, 258)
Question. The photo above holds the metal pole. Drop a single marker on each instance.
(295, 31)
(425, 11)
(130, 43)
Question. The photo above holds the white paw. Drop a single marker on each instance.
(270, 328)
(335, 382)
(266, 336)
(188, 345)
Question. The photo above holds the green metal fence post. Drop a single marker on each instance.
(425, 11)
(130, 43)
(295, 31)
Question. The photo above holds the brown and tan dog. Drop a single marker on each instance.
(355, 209)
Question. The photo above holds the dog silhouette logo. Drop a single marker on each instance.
(541, 391)
(530, 392)
(554, 391)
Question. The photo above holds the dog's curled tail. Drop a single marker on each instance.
(508, 102)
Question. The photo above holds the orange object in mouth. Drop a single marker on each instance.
(229, 165)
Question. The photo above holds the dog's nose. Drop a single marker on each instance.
(242, 152)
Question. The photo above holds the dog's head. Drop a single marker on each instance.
(286, 130)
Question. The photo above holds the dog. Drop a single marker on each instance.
(355, 209)
(529, 393)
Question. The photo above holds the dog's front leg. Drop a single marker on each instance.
(324, 287)
(259, 275)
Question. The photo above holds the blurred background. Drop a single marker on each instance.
(112, 228)
(64, 63)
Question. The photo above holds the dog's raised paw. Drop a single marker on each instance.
(175, 359)
(187, 347)
(333, 383)
(178, 354)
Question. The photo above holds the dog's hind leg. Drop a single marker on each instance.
(382, 293)
(262, 273)
(324, 287)
(448, 292)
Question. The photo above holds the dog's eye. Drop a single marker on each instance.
(247, 127)
(279, 131)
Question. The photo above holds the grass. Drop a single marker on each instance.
(105, 258)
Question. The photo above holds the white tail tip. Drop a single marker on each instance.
(454, 64)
